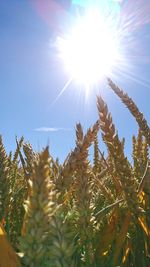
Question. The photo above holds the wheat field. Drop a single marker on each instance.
(78, 214)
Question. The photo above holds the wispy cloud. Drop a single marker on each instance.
(51, 129)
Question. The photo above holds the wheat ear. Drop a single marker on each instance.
(143, 125)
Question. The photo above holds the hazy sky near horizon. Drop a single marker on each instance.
(32, 75)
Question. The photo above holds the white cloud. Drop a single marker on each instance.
(51, 129)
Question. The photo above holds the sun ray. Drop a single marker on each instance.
(135, 78)
(62, 91)
(99, 42)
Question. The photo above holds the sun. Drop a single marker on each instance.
(91, 49)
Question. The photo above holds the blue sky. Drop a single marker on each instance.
(32, 75)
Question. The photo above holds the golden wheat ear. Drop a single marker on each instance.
(38, 211)
(97, 165)
(79, 134)
(143, 125)
(122, 167)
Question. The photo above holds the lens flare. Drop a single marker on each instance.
(101, 38)
(91, 49)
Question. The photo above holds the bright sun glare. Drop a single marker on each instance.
(91, 49)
